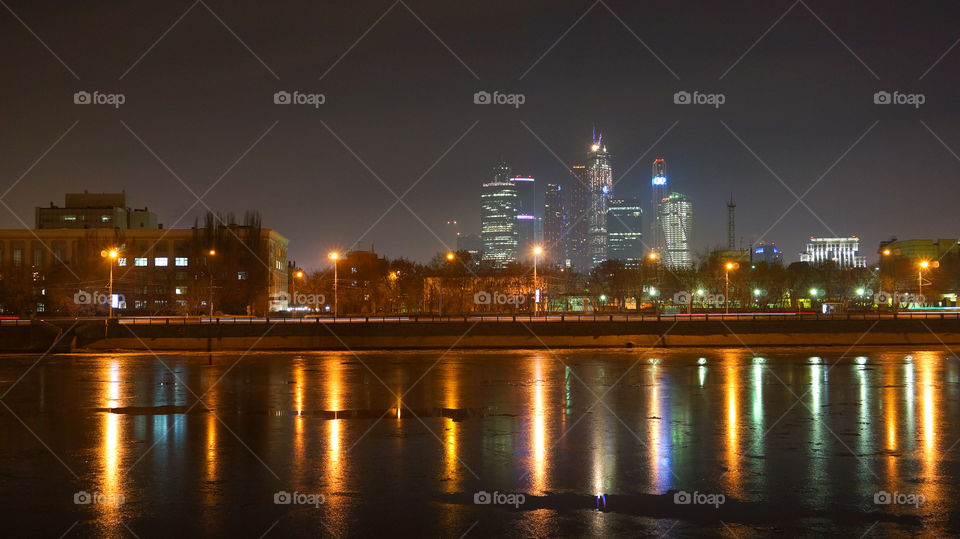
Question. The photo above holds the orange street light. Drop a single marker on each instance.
(110, 255)
(729, 266)
(450, 256)
(335, 256)
(886, 252)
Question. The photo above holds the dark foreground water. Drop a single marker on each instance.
(796, 442)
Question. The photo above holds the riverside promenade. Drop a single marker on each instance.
(479, 331)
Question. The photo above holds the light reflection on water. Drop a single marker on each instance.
(523, 422)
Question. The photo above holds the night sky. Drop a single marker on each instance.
(401, 100)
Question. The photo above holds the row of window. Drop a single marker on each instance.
(160, 261)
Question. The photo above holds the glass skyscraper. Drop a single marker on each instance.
(624, 231)
(601, 192)
(553, 225)
(658, 185)
(499, 208)
(675, 216)
(577, 226)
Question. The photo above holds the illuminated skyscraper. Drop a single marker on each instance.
(499, 205)
(578, 225)
(675, 216)
(553, 225)
(624, 234)
(658, 184)
(601, 192)
(526, 215)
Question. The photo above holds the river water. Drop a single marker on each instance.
(565, 443)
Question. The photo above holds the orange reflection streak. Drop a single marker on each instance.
(653, 431)
(333, 472)
(538, 439)
(930, 408)
(299, 440)
(890, 418)
(451, 462)
(111, 451)
(733, 477)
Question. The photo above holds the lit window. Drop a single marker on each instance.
(70, 218)
(241, 275)
(140, 261)
(121, 261)
(180, 290)
(104, 218)
(180, 261)
(160, 261)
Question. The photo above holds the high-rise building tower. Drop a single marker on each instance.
(624, 231)
(578, 225)
(601, 192)
(526, 215)
(675, 215)
(499, 205)
(553, 225)
(658, 184)
(731, 224)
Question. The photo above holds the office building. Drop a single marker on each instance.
(601, 191)
(553, 225)
(920, 249)
(499, 208)
(767, 252)
(94, 210)
(844, 252)
(577, 225)
(526, 215)
(658, 186)
(624, 231)
(675, 218)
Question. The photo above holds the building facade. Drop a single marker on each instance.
(578, 225)
(499, 208)
(526, 215)
(767, 252)
(844, 252)
(624, 231)
(94, 210)
(601, 192)
(658, 186)
(676, 214)
(920, 249)
(553, 225)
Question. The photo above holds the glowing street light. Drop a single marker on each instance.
(861, 292)
(110, 255)
(537, 250)
(924, 264)
(296, 275)
(728, 267)
(450, 257)
(335, 256)
(211, 252)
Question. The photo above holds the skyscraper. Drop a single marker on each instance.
(624, 231)
(499, 206)
(675, 216)
(526, 215)
(658, 184)
(577, 226)
(553, 225)
(601, 191)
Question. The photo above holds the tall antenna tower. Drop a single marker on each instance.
(731, 224)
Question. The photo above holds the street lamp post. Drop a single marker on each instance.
(536, 255)
(335, 256)
(211, 252)
(450, 257)
(293, 292)
(924, 265)
(726, 282)
(110, 255)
